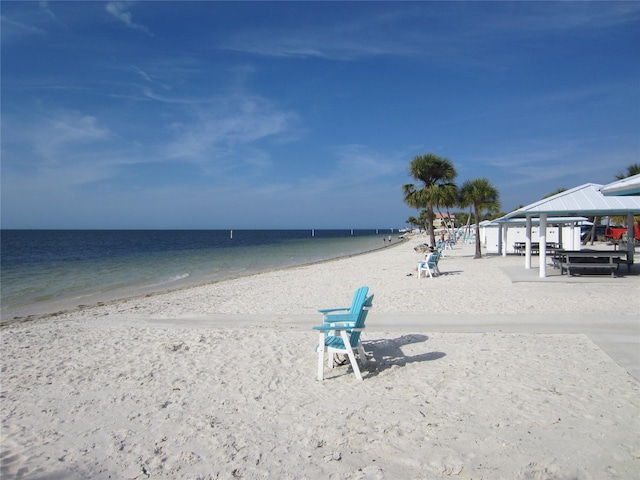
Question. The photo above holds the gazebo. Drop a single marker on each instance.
(626, 186)
(617, 198)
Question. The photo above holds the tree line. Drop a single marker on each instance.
(434, 189)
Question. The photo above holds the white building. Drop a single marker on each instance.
(564, 231)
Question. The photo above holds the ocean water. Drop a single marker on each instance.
(45, 271)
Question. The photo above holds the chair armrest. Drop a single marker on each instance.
(327, 310)
(327, 328)
(339, 318)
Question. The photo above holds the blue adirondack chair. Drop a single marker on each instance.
(343, 338)
(436, 261)
(430, 265)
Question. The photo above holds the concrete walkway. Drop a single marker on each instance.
(618, 336)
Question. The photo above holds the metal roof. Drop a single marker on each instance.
(626, 186)
(510, 222)
(585, 200)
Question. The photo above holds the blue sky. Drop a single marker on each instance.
(304, 114)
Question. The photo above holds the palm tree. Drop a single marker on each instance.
(447, 197)
(480, 194)
(434, 175)
(412, 221)
(631, 171)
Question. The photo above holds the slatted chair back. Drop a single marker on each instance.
(358, 299)
(353, 311)
(354, 339)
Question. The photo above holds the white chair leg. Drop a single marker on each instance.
(331, 359)
(350, 354)
(354, 365)
(362, 354)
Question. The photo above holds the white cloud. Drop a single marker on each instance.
(360, 162)
(222, 133)
(143, 74)
(14, 28)
(61, 151)
(44, 7)
(319, 44)
(355, 36)
(120, 10)
(558, 16)
(68, 130)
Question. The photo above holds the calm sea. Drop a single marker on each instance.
(44, 271)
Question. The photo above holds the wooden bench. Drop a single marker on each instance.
(587, 260)
(520, 248)
(568, 266)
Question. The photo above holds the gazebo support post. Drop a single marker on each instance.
(527, 250)
(631, 239)
(572, 245)
(560, 239)
(543, 245)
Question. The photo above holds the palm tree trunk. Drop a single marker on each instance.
(450, 229)
(478, 249)
(592, 234)
(432, 233)
(467, 229)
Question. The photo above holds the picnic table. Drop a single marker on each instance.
(520, 247)
(600, 260)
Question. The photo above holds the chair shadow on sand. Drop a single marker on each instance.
(450, 272)
(387, 353)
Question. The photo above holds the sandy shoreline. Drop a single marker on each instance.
(472, 375)
(467, 286)
(70, 305)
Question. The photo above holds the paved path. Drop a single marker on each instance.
(618, 336)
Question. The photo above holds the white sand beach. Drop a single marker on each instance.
(486, 372)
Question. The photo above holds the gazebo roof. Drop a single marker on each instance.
(511, 222)
(626, 186)
(585, 200)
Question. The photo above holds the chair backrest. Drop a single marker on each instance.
(355, 335)
(358, 300)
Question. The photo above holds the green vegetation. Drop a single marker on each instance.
(631, 171)
(560, 190)
(434, 189)
(482, 195)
